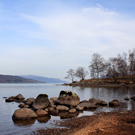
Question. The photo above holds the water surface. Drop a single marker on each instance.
(8, 126)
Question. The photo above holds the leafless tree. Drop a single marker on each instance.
(81, 73)
(122, 63)
(131, 63)
(112, 68)
(97, 65)
(70, 74)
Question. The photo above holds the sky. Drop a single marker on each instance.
(49, 37)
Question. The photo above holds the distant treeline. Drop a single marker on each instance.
(122, 66)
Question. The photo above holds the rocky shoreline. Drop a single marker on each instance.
(105, 123)
(67, 105)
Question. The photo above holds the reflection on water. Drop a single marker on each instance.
(24, 122)
(7, 126)
(43, 119)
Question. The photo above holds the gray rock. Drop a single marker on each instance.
(41, 102)
(24, 113)
(68, 98)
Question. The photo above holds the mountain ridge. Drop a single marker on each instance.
(43, 79)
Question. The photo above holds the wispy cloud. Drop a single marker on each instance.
(67, 40)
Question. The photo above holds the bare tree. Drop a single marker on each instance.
(112, 68)
(122, 64)
(70, 74)
(131, 63)
(81, 73)
(97, 65)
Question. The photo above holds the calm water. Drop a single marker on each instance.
(8, 127)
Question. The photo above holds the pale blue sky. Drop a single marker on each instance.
(48, 37)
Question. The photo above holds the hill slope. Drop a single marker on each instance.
(43, 79)
(15, 79)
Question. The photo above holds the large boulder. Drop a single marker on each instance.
(68, 98)
(24, 113)
(41, 102)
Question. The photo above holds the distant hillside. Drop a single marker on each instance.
(43, 79)
(15, 79)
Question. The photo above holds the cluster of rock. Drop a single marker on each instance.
(68, 103)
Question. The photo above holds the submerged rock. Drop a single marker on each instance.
(68, 98)
(41, 102)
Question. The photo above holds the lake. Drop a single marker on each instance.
(8, 127)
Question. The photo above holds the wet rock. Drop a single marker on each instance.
(41, 113)
(86, 105)
(133, 98)
(92, 100)
(54, 112)
(29, 101)
(41, 102)
(26, 106)
(103, 103)
(54, 99)
(43, 119)
(62, 108)
(24, 113)
(10, 100)
(19, 97)
(79, 108)
(114, 103)
(68, 98)
(127, 98)
(21, 105)
(72, 110)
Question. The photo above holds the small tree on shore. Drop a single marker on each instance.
(70, 75)
(81, 73)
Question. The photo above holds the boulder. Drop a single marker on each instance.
(41, 102)
(79, 108)
(72, 110)
(26, 106)
(10, 100)
(41, 113)
(54, 99)
(54, 112)
(62, 108)
(29, 101)
(68, 98)
(19, 97)
(114, 103)
(52, 104)
(23, 113)
(133, 98)
(103, 103)
(92, 100)
(21, 105)
(126, 98)
(86, 105)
